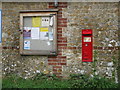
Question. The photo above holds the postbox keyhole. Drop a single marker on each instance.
(86, 44)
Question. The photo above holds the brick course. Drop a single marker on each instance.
(62, 41)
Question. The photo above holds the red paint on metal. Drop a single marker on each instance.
(87, 45)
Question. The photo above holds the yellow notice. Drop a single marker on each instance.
(36, 21)
(44, 29)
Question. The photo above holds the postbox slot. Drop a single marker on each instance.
(87, 34)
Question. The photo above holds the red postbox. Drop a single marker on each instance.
(87, 47)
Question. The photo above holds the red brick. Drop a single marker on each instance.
(52, 60)
(62, 38)
(61, 56)
(52, 57)
(59, 15)
(62, 41)
(62, 64)
(59, 38)
(62, 25)
(99, 47)
(58, 57)
(62, 19)
(55, 70)
(51, 3)
(79, 47)
(62, 44)
(59, 35)
(72, 48)
(111, 48)
(59, 31)
(59, 12)
(62, 3)
(57, 61)
(60, 9)
(63, 61)
(59, 53)
(59, 28)
(9, 48)
(59, 41)
(51, 6)
(62, 47)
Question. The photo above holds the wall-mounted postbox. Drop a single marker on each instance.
(87, 47)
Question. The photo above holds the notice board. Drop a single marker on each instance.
(38, 32)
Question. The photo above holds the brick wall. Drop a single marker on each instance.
(119, 49)
(13, 62)
(102, 18)
(58, 61)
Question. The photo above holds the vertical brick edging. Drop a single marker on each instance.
(58, 61)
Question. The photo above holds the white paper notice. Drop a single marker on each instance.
(44, 35)
(48, 43)
(27, 28)
(45, 21)
(35, 33)
(26, 44)
(51, 21)
(50, 35)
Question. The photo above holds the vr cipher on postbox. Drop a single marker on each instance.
(87, 48)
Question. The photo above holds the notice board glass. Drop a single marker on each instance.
(38, 32)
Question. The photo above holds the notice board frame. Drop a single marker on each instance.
(43, 13)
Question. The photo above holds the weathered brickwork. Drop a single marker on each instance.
(102, 18)
(119, 49)
(13, 62)
(59, 61)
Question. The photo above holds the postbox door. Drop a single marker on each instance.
(87, 52)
